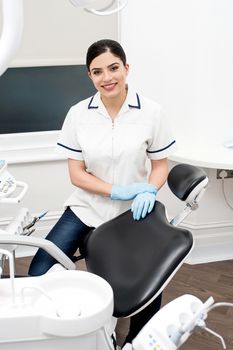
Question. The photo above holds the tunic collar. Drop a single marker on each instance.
(132, 101)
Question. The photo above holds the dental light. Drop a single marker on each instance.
(11, 32)
(104, 11)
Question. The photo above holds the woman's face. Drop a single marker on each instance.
(108, 74)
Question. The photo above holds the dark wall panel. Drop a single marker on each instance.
(38, 98)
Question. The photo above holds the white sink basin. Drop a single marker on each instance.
(65, 303)
(73, 303)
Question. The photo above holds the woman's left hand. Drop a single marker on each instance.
(142, 205)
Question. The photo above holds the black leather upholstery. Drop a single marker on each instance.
(136, 257)
(183, 178)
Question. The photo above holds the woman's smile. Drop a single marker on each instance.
(109, 87)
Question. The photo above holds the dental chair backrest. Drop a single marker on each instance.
(138, 258)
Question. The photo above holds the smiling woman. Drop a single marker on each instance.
(108, 139)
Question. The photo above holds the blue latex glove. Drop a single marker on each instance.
(130, 191)
(142, 205)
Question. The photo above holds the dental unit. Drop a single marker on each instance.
(79, 309)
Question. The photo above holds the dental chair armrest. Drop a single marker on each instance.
(46, 245)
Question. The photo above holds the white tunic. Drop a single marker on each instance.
(115, 151)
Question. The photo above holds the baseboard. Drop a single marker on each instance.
(213, 242)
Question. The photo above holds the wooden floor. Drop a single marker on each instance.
(204, 280)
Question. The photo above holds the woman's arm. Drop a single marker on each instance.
(159, 172)
(81, 178)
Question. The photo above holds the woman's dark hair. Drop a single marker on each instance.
(103, 46)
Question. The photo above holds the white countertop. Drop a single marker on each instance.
(205, 155)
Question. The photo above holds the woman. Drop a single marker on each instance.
(109, 140)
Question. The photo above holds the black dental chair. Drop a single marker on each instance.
(138, 258)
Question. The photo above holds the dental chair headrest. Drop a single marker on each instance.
(183, 179)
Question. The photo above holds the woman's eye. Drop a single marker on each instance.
(114, 68)
(97, 72)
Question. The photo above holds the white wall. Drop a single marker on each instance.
(181, 55)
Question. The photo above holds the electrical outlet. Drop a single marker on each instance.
(224, 173)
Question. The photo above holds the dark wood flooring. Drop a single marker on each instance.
(204, 280)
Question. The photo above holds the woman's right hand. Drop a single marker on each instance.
(142, 205)
(128, 192)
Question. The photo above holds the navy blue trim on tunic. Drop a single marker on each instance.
(90, 106)
(162, 149)
(70, 149)
(138, 106)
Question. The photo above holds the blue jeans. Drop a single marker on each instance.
(67, 234)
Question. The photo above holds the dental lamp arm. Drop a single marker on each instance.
(12, 31)
(46, 245)
(103, 11)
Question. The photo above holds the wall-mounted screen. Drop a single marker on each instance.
(37, 98)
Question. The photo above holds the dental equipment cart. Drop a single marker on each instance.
(78, 310)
